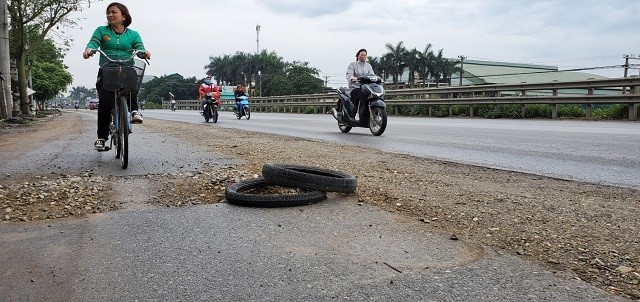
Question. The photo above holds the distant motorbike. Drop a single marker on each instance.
(210, 108)
(242, 107)
(371, 112)
(76, 106)
(173, 106)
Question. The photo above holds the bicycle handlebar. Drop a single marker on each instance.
(134, 52)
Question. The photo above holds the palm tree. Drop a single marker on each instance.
(377, 66)
(425, 65)
(448, 68)
(395, 58)
(412, 62)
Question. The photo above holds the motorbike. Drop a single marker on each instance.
(76, 106)
(242, 107)
(173, 106)
(371, 112)
(210, 108)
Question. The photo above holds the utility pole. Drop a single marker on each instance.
(626, 68)
(326, 80)
(461, 67)
(626, 65)
(257, 38)
(6, 106)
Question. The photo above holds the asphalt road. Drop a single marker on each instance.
(603, 152)
(333, 250)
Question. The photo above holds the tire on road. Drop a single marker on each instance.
(309, 178)
(239, 194)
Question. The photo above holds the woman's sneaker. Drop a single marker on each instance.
(136, 117)
(99, 145)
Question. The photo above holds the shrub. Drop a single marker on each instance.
(538, 111)
(613, 112)
(571, 111)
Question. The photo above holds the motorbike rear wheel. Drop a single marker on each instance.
(377, 120)
(344, 128)
(247, 112)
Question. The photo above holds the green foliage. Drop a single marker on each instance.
(571, 111)
(612, 112)
(158, 89)
(440, 111)
(152, 105)
(31, 22)
(308, 110)
(460, 110)
(280, 85)
(242, 69)
(538, 111)
(80, 93)
(49, 79)
(303, 78)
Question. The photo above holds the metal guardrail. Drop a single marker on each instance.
(589, 92)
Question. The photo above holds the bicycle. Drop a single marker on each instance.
(124, 77)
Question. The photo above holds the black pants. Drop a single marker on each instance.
(356, 96)
(106, 101)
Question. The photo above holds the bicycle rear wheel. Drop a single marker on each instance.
(123, 129)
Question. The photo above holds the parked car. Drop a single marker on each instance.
(93, 104)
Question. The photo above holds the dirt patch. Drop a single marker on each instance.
(578, 230)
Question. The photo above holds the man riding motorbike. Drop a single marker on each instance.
(208, 87)
(239, 92)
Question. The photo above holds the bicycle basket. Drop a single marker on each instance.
(123, 75)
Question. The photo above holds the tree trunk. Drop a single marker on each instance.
(22, 79)
(6, 106)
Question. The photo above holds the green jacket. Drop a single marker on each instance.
(117, 46)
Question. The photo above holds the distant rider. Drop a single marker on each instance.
(359, 68)
(237, 94)
(205, 88)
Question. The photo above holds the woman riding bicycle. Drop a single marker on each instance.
(118, 41)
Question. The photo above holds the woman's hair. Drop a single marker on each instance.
(125, 12)
(359, 51)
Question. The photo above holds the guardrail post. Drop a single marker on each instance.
(470, 110)
(554, 107)
(523, 108)
(589, 110)
(633, 107)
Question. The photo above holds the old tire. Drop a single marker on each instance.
(309, 178)
(238, 194)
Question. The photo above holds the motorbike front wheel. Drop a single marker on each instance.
(377, 120)
(247, 112)
(206, 114)
(214, 114)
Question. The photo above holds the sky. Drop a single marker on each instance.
(183, 35)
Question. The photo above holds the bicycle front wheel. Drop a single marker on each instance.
(123, 129)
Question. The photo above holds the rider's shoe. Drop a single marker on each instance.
(337, 115)
(136, 117)
(99, 145)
